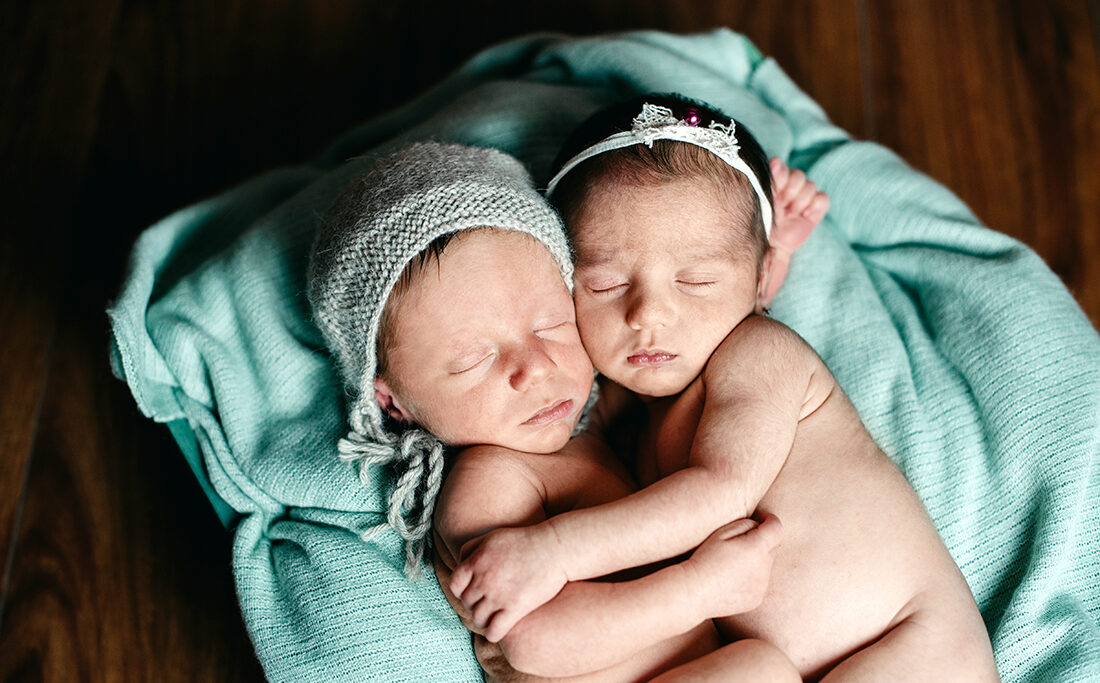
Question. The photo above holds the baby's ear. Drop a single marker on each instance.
(767, 286)
(390, 404)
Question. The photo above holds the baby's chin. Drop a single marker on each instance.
(653, 384)
(546, 444)
(549, 439)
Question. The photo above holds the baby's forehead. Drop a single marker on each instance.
(485, 283)
(595, 256)
(456, 251)
(494, 258)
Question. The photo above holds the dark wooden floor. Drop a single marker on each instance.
(114, 113)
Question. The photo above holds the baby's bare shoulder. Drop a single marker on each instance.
(487, 487)
(760, 335)
(478, 470)
(763, 359)
(760, 349)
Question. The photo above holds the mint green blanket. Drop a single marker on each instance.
(968, 360)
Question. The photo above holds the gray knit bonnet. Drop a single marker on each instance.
(380, 222)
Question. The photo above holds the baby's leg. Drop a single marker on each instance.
(799, 207)
(923, 649)
(744, 660)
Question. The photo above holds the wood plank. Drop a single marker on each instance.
(1001, 103)
(123, 568)
(52, 68)
(817, 43)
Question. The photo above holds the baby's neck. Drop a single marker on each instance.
(657, 406)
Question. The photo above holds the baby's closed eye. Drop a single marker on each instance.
(469, 362)
(604, 285)
(546, 330)
(696, 282)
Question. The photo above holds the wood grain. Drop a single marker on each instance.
(1001, 103)
(114, 114)
(49, 88)
(123, 569)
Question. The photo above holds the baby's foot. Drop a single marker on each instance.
(733, 565)
(799, 207)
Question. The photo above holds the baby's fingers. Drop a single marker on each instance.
(460, 580)
(474, 596)
(500, 623)
(470, 547)
(469, 592)
(779, 172)
(736, 528)
(800, 202)
(482, 613)
(818, 208)
(770, 531)
(796, 181)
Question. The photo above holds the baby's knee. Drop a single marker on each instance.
(759, 660)
(747, 660)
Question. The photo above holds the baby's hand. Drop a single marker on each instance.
(733, 566)
(505, 575)
(799, 207)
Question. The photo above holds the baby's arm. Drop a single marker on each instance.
(759, 384)
(589, 626)
(592, 625)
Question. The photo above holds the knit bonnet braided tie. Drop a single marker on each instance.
(379, 223)
(418, 456)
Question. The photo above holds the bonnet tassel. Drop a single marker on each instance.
(417, 457)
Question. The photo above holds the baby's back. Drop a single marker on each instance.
(860, 556)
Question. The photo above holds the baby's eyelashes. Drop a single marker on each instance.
(467, 364)
(551, 330)
(606, 291)
(603, 285)
(697, 283)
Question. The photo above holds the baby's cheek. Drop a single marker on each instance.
(593, 326)
(595, 347)
(462, 418)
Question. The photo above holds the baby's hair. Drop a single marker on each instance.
(430, 255)
(639, 165)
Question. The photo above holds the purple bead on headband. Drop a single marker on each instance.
(691, 117)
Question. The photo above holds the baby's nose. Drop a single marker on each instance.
(648, 310)
(531, 365)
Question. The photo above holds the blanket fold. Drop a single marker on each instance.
(967, 358)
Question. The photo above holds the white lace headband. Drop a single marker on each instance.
(658, 123)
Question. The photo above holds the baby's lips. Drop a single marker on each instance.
(650, 357)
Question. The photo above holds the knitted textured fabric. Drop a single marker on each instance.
(969, 362)
(379, 223)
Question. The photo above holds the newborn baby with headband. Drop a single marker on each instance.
(668, 207)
